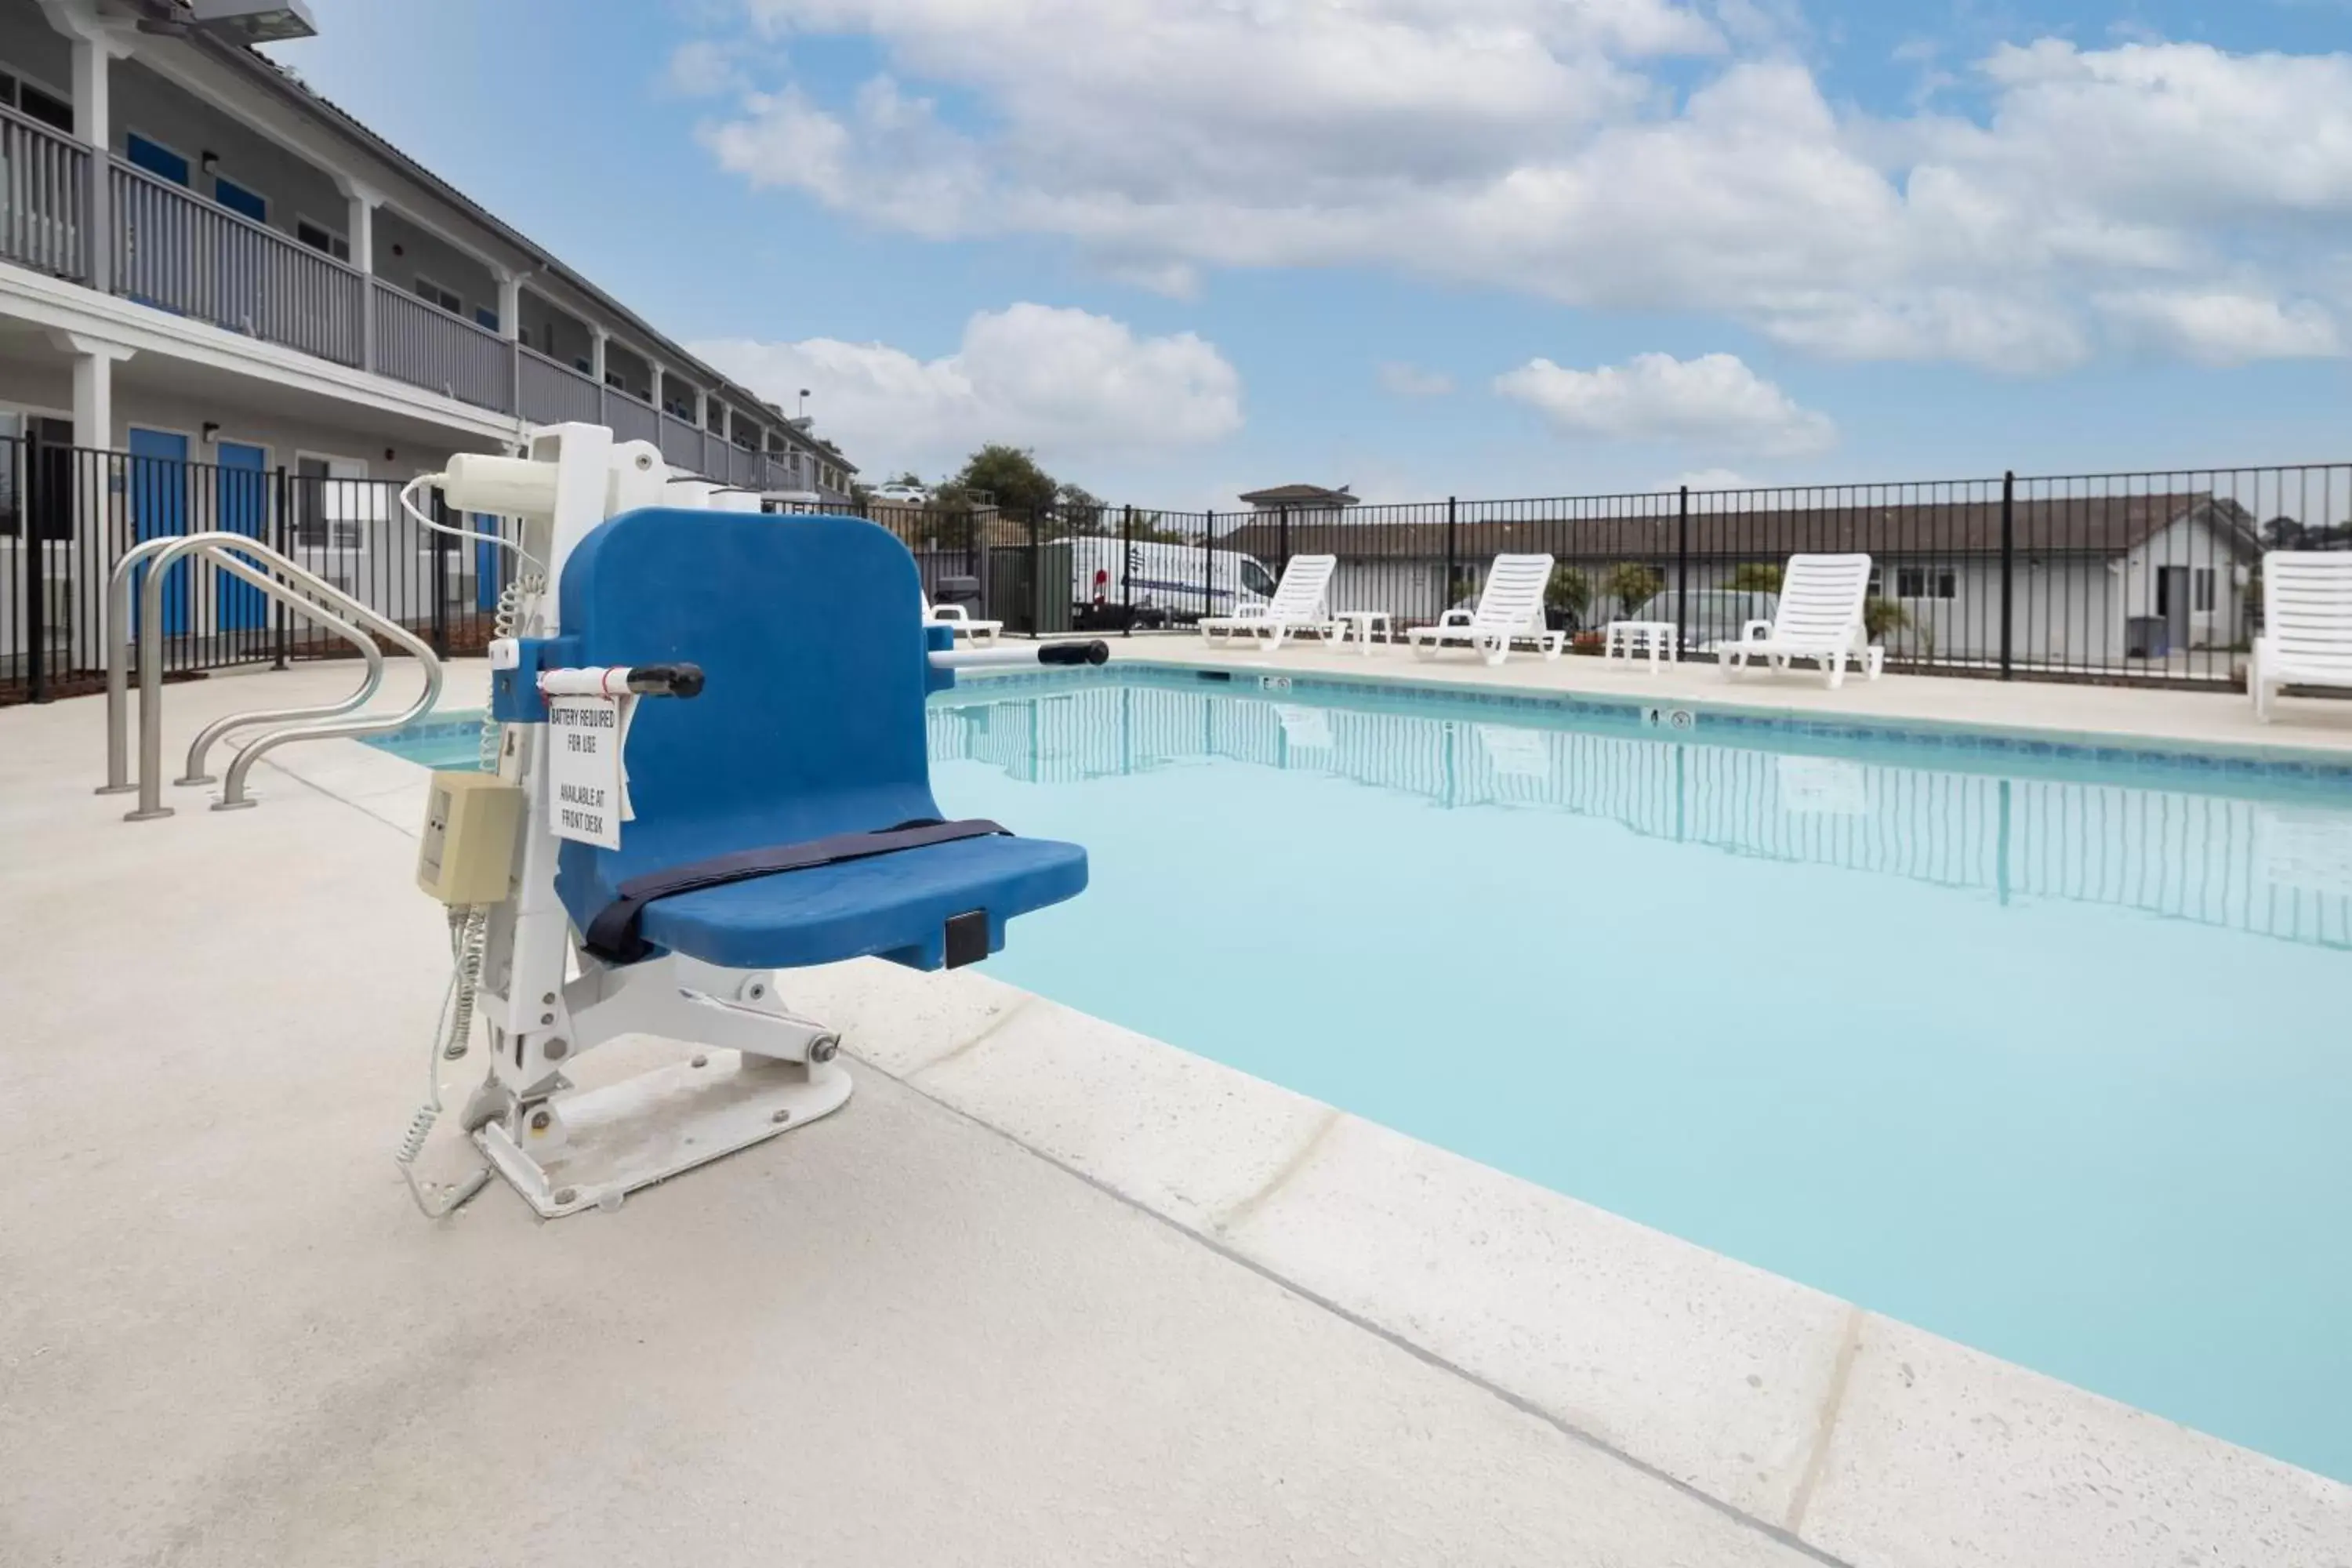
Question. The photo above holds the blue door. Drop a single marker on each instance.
(159, 505)
(241, 505)
(488, 560)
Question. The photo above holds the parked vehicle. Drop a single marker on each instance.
(1143, 584)
(1713, 614)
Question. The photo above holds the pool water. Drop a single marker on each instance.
(2047, 1057)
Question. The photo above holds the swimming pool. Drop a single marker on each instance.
(2046, 1054)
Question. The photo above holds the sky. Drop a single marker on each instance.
(1184, 248)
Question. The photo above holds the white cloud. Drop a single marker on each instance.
(1408, 381)
(2219, 328)
(1066, 382)
(703, 68)
(1525, 143)
(1714, 400)
(1711, 480)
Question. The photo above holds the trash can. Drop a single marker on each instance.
(2147, 637)
(964, 591)
(1044, 609)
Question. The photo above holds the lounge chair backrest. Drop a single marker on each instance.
(1821, 598)
(1513, 596)
(2308, 606)
(1305, 582)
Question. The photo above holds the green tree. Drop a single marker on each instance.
(1756, 577)
(1083, 512)
(1567, 592)
(1632, 584)
(1009, 474)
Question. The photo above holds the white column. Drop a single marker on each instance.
(93, 385)
(597, 337)
(360, 224)
(93, 418)
(360, 230)
(509, 304)
(96, 46)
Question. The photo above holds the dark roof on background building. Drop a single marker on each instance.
(2079, 525)
(1315, 493)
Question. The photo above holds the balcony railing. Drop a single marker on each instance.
(554, 393)
(44, 198)
(681, 443)
(164, 245)
(630, 418)
(194, 259)
(425, 346)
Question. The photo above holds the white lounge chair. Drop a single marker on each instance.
(2307, 624)
(1819, 618)
(1301, 603)
(1511, 610)
(956, 616)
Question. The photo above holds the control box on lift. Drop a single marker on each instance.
(465, 854)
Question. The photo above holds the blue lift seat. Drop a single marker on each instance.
(810, 634)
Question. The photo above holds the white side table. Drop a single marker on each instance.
(1659, 639)
(1363, 621)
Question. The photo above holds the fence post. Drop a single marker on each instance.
(1446, 593)
(440, 581)
(30, 518)
(1036, 576)
(1208, 563)
(1126, 561)
(283, 542)
(1282, 546)
(2008, 570)
(1682, 568)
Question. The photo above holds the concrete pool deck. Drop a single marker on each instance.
(2217, 718)
(1044, 1291)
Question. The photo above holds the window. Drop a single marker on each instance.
(239, 200)
(1926, 582)
(1258, 579)
(328, 510)
(35, 103)
(2201, 592)
(322, 239)
(55, 479)
(447, 299)
(486, 316)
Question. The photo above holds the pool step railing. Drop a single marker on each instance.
(278, 578)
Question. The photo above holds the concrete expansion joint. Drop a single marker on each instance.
(1825, 1424)
(1241, 1210)
(986, 1032)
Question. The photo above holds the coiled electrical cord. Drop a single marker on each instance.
(468, 932)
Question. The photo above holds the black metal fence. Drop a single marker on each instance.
(68, 515)
(2151, 577)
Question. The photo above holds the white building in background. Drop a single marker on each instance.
(2094, 581)
(202, 261)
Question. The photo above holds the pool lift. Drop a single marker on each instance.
(764, 678)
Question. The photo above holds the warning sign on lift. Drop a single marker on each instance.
(587, 788)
